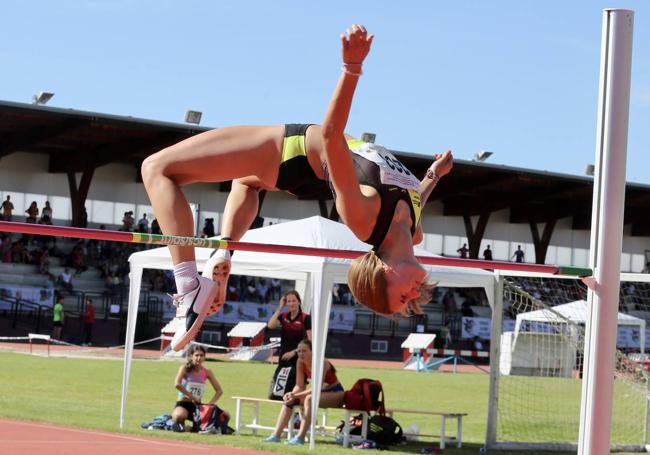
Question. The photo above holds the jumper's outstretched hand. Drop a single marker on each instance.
(443, 163)
(356, 44)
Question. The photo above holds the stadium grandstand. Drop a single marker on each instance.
(86, 165)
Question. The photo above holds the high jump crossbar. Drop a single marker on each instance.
(156, 239)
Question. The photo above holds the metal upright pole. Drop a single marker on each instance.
(606, 232)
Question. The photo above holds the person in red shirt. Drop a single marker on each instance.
(331, 396)
(89, 322)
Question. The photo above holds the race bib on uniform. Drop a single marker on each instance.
(391, 171)
(196, 389)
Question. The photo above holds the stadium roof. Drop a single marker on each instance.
(76, 141)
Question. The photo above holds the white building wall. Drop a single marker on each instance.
(114, 190)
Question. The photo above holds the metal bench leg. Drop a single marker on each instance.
(459, 432)
(443, 438)
(364, 427)
(238, 417)
(256, 416)
(346, 429)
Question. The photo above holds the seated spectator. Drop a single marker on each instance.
(208, 228)
(466, 309)
(275, 289)
(5, 248)
(251, 292)
(331, 395)
(44, 263)
(32, 213)
(77, 259)
(53, 249)
(65, 280)
(262, 291)
(143, 224)
(113, 283)
(232, 294)
(190, 383)
(7, 209)
(19, 253)
(46, 214)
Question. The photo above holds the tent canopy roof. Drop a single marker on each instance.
(573, 311)
(316, 232)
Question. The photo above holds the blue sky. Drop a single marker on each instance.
(518, 78)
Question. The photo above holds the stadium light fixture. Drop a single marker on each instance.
(482, 155)
(42, 97)
(368, 137)
(193, 117)
(589, 169)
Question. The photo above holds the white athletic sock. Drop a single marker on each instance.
(186, 276)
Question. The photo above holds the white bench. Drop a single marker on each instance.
(443, 423)
(322, 429)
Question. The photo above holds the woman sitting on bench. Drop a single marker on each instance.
(331, 395)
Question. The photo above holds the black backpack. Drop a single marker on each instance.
(384, 430)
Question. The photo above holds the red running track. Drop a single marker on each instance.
(31, 438)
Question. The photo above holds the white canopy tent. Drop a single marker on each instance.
(314, 277)
(576, 313)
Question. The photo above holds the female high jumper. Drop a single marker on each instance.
(377, 197)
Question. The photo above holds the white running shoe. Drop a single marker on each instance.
(193, 307)
(218, 269)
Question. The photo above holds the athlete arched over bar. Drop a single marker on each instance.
(377, 197)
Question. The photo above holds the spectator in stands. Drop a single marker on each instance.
(58, 318)
(208, 228)
(46, 214)
(84, 217)
(251, 292)
(262, 290)
(65, 280)
(143, 224)
(295, 325)
(113, 283)
(7, 209)
(190, 383)
(487, 253)
(89, 322)
(275, 289)
(5, 248)
(44, 262)
(155, 227)
(477, 343)
(19, 253)
(32, 213)
(331, 395)
(466, 309)
(128, 221)
(518, 255)
(463, 251)
(388, 278)
(77, 258)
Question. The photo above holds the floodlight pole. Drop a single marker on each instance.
(606, 232)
